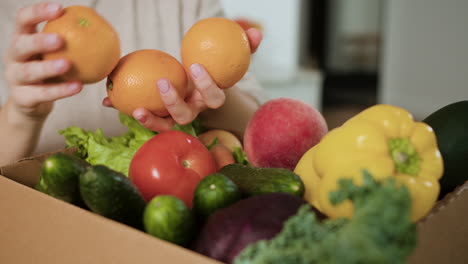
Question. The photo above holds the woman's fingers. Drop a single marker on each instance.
(28, 17)
(212, 95)
(37, 71)
(31, 96)
(153, 122)
(26, 46)
(255, 38)
(107, 102)
(180, 111)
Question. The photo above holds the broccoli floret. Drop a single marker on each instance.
(380, 230)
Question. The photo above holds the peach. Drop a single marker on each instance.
(281, 131)
(222, 155)
(224, 137)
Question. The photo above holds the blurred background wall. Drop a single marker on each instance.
(342, 56)
(277, 63)
(425, 54)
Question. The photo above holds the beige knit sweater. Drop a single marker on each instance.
(141, 24)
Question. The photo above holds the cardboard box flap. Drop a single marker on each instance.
(37, 228)
(26, 171)
(443, 235)
(448, 199)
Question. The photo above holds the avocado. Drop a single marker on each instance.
(254, 181)
(450, 125)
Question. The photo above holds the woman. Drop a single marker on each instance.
(32, 112)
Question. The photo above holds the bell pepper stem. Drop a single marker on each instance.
(405, 156)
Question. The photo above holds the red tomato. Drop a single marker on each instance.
(171, 163)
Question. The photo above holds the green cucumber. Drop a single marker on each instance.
(167, 217)
(212, 193)
(111, 194)
(254, 181)
(60, 176)
(450, 124)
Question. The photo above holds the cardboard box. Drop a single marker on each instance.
(36, 228)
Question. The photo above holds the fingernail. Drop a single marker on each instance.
(51, 39)
(163, 85)
(141, 118)
(59, 64)
(73, 87)
(53, 7)
(197, 70)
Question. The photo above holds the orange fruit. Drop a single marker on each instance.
(221, 46)
(132, 84)
(91, 44)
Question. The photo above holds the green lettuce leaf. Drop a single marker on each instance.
(240, 157)
(114, 152)
(188, 129)
(213, 143)
(194, 128)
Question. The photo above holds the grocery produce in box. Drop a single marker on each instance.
(450, 124)
(254, 181)
(60, 177)
(214, 192)
(221, 46)
(168, 218)
(222, 155)
(132, 83)
(386, 141)
(380, 231)
(91, 44)
(398, 156)
(231, 229)
(281, 131)
(222, 137)
(298, 194)
(172, 163)
(112, 194)
(114, 152)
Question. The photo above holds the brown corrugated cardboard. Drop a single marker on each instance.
(443, 235)
(36, 228)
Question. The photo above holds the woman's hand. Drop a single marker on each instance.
(206, 94)
(25, 73)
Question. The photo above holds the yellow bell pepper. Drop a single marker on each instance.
(386, 141)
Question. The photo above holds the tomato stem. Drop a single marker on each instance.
(186, 164)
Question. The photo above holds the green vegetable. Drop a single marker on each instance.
(212, 193)
(450, 124)
(379, 232)
(197, 126)
(213, 143)
(254, 181)
(60, 176)
(112, 195)
(115, 152)
(187, 129)
(168, 218)
(240, 157)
